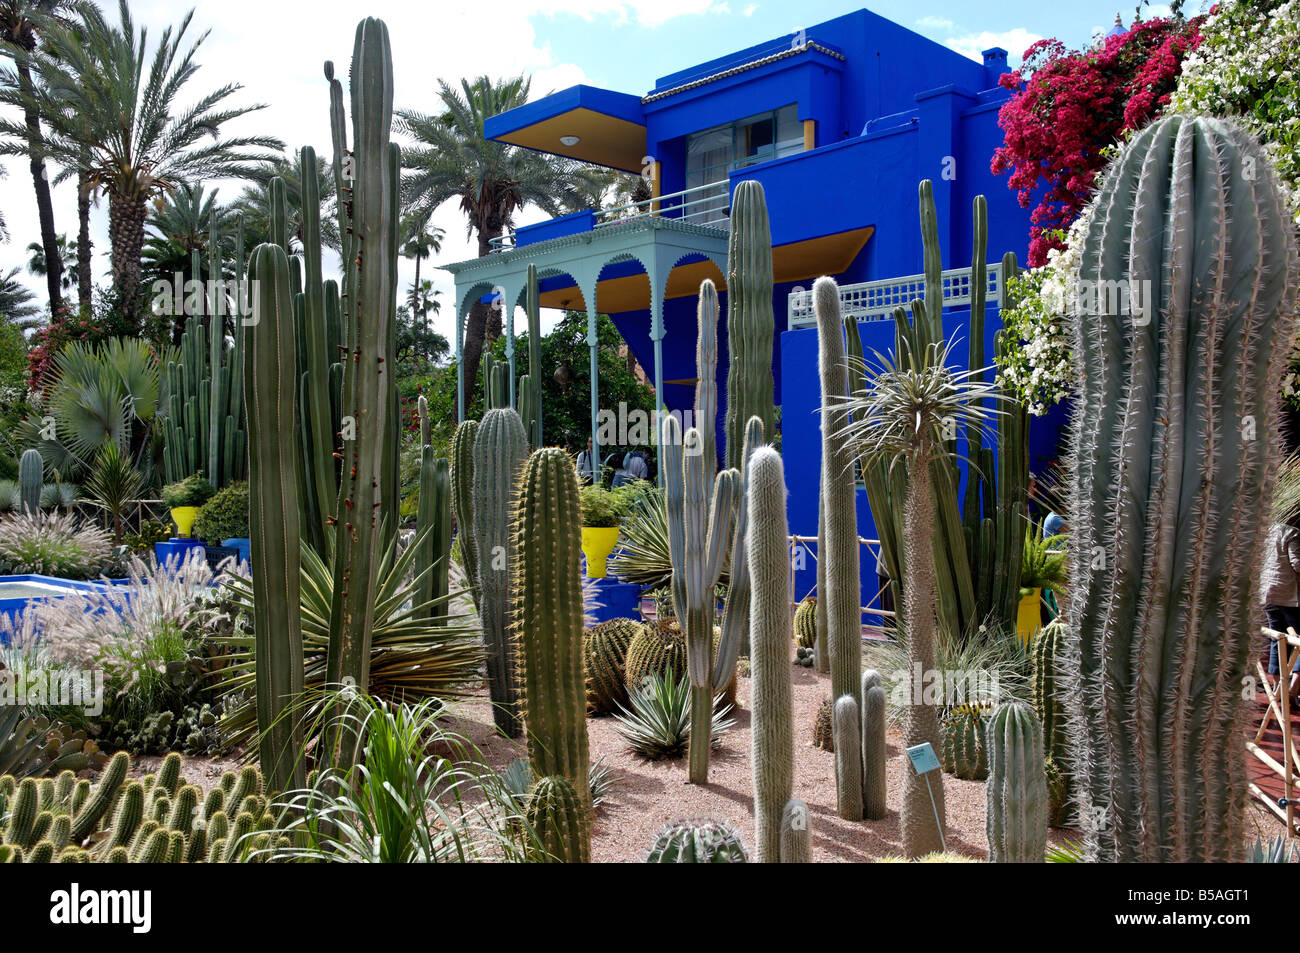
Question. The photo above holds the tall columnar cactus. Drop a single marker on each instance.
(1017, 786)
(365, 489)
(735, 615)
(698, 533)
(533, 308)
(769, 660)
(500, 452)
(706, 370)
(433, 530)
(547, 618)
(842, 595)
(1186, 316)
(751, 326)
(462, 499)
(796, 833)
(274, 520)
(874, 756)
(561, 819)
(1049, 650)
(31, 477)
(847, 729)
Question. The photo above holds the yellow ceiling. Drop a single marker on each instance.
(604, 140)
(797, 261)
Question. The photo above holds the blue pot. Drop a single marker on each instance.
(174, 551)
(241, 543)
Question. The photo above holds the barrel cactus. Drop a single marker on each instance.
(560, 818)
(962, 746)
(1186, 317)
(655, 650)
(604, 650)
(1016, 816)
(697, 842)
(823, 735)
(805, 623)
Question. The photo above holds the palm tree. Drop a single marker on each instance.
(120, 122)
(20, 22)
(422, 241)
(37, 265)
(17, 303)
(451, 159)
(901, 417)
(255, 207)
(181, 224)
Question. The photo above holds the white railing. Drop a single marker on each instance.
(701, 204)
(876, 300)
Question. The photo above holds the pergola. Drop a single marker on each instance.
(657, 243)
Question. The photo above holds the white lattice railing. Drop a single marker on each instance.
(876, 300)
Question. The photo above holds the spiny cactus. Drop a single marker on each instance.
(735, 614)
(655, 650)
(1017, 786)
(805, 623)
(604, 649)
(698, 534)
(560, 816)
(1174, 440)
(31, 474)
(462, 499)
(531, 396)
(823, 730)
(847, 730)
(962, 748)
(769, 659)
(697, 842)
(1049, 652)
(874, 755)
(500, 452)
(433, 529)
(842, 594)
(547, 619)
(796, 833)
(751, 325)
(706, 372)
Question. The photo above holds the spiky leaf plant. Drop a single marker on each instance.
(658, 723)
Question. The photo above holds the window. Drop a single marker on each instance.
(713, 153)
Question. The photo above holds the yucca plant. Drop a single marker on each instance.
(418, 793)
(114, 484)
(642, 554)
(414, 656)
(658, 724)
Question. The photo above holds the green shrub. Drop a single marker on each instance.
(225, 516)
(194, 490)
(601, 507)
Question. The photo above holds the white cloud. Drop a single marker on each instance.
(1015, 42)
(749, 10)
(936, 23)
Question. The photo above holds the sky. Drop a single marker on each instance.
(276, 50)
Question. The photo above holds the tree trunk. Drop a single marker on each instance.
(482, 324)
(126, 215)
(85, 282)
(44, 206)
(922, 820)
(424, 324)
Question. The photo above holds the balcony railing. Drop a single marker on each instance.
(876, 300)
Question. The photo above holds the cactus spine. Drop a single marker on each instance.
(500, 452)
(751, 325)
(839, 557)
(769, 660)
(1017, 786)
(548, 619)
(697, 538)
(1175, 447)
(31, 472)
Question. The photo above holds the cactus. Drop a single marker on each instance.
(31, 472)
(561, 818)
(604, 652)
(874, 755)
(847, 731)
(697, 842)
(95, 805)
(22, 815)
(547, 619)
(751, 325)
(655, 650)
(1174, 439)
(698, 534)
(706, 372)
(500, 452)
(769, 659)
(433, 533)
(735, 615)
(274, 527)
(1017, 786)
(842, 593)
(796, 833)
(962, 748)
(462, 499)
(531, 383)
(823, 731)
(805, 623)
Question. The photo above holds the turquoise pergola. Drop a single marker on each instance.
(658, 244)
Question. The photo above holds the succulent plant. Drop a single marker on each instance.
(560, 815)
(697, 842)
(805, 623)
(962, 749)
(604, 648)
(32, 746)
(657, 723)
(1016, 816)
(823, 731)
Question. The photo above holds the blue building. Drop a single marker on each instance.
(839, 123)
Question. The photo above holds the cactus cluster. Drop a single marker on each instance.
(961, 749)
(1174, 444)
(604, 649)
(697, 842)
(156, 819)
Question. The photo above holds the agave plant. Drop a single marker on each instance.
(1275, 850)
(412, 657)
(658, 725)
(518, 780)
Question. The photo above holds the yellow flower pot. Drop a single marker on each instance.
(183, 517)
(1029, 615)
(597, 543)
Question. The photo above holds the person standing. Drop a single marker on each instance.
(1279, 590)
(585, 469)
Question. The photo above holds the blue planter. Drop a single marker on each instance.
(618, 599)
(174, 551)
(30, 587)
(243, 544)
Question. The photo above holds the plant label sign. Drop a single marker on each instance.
(923, 758)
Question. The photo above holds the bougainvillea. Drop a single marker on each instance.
(1071, 105)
